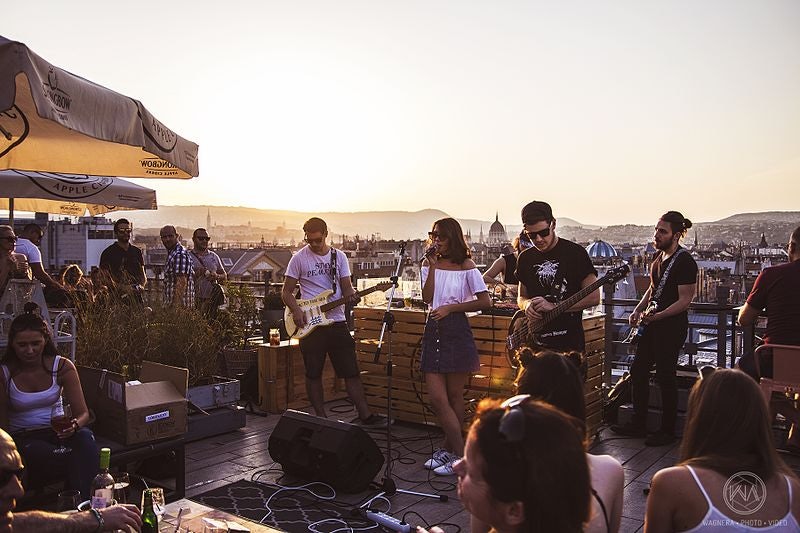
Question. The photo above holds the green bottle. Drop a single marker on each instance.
(149, 518)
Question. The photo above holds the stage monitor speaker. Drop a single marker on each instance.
(317, 449)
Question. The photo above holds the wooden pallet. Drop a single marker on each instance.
(281, 378)
(495, 377)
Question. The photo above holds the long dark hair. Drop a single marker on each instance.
(728, 427)
(450, 229)
(554, 378)
(547, 470)
(29, 320)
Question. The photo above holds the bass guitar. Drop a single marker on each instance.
(522, 332)
(314, 310)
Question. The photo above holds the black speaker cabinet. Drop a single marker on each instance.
(317, 449)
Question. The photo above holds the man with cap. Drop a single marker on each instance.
(550, 271)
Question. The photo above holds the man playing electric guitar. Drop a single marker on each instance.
(673, 276)
(317, 267)
(552, 270)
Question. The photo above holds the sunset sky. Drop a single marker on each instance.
(613, 111)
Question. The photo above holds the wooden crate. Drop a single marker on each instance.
(495, 377)
(281, 378)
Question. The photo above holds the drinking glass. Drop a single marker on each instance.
(121, 483)
(61, 419)
(68, 500)
(159, 505)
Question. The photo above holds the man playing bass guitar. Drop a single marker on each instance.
(550, 271)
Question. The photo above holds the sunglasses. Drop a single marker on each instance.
(435, 235)
(6, 475)
(541, 233)
(512, 423)
(203, 238)
(120, 230)
(318, 240)
(11, 238)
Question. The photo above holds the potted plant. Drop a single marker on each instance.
(238, 323)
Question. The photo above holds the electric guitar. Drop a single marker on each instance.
(521, 332)
(314, 310)
(636, 332)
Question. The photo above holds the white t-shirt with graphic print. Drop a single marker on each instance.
(313, 273)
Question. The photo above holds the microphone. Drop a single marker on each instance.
(431, 250)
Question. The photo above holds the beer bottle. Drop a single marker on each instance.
(149, 518)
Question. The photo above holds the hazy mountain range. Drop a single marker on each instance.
(251, 224)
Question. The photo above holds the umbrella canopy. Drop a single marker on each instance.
(54, 121)
(71, 194)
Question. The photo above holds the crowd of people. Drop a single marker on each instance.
(524, 465)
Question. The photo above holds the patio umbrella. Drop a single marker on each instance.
(54, 121)
(70, 194)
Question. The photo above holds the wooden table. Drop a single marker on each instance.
(193, 514)
(494, 379)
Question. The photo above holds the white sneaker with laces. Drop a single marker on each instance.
(447, 468)
(438, 458)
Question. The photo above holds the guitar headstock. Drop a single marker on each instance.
(616, 273)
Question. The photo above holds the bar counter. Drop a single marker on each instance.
(494, 379)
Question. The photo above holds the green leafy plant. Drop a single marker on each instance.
(240, 320)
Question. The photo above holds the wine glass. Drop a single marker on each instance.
(121, 483)
(60, 420)
(68, 500)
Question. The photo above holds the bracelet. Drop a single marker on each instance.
(75, 425)
(99, 518)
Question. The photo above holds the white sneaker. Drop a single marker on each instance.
(438, 458)
(447, 468)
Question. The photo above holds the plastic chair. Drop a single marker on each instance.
(785, 370)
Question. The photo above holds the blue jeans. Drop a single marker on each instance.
(78, 466)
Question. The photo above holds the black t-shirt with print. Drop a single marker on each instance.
(684, 272)
(537, 272)
(125, 266)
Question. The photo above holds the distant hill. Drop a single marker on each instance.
(251, 224)
(387, 224)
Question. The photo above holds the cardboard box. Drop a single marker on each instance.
(136, 413)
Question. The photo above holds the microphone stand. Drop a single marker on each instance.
(388, 486)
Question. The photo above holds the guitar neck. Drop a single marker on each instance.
(564, 305)
(336, 303)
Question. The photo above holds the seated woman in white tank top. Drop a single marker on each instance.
(729, 478)
(34, 377)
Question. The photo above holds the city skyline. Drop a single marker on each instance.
(612, 112)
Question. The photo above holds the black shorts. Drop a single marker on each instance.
(336, 342)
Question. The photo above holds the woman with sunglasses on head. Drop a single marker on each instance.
(451, 286)
(556, 378)
(524, 468)
(34, 379)
(729, 478)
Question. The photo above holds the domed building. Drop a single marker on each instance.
(600, 252)
(497, 232)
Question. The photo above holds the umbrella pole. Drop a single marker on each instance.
(11, 212)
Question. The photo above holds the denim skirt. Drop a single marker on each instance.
(448, 346)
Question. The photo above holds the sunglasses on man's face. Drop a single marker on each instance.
(318, 240)
(6, 475)
(199, 238)
(12, 238)
(541, 233)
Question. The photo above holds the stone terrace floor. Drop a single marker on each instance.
(219, 460)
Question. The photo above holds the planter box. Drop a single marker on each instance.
(218, 392)
(282, 378)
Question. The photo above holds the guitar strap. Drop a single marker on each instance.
(657, 295)
(333, 269)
